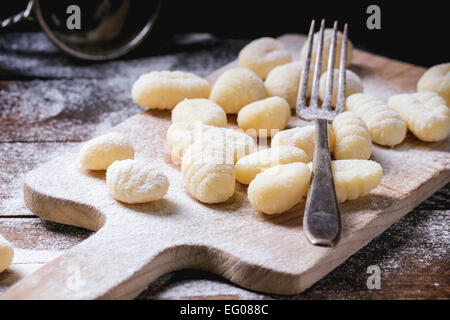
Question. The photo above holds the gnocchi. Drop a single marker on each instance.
(164, 89)
(6, 254)
(351, 137)
(135, 181)
(355, 178)
(283, 81)
(279, 188)
(425, 113)
(208, 173)
(262, 55)
(100, 152)
(437, 79)
(264, 117)
(236, 88)
(353, 85)
(327, 36)
(203, 111)
(385, 125)
(249, 166)
(181, 135)
(300, 137)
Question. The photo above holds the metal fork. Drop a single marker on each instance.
(322, 221)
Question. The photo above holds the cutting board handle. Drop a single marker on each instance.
(104, 266)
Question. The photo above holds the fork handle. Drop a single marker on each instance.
(322, 221)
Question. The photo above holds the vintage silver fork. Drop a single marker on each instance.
(322, 221)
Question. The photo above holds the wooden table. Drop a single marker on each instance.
(49, 103)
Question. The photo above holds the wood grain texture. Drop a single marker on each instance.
(137, 243)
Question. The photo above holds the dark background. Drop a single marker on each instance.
(411, 31)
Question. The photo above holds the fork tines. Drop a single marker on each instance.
(325, 111)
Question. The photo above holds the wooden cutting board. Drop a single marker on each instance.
(135, 244)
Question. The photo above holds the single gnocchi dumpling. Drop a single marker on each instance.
(6, 254)
(283, 81)
(355, 178)
(351, 137)
(249, 166)
(100, 152)
(236, 88)
(208, 173)
(300, 137)
(385, 125)
(264, 117)
(202, 111)
(164, 89)
(135, 181)
(279, 188)
(353, 85)
(327, 37)
(426, 114)
(262, 55)
(437, 79)
(181, 135)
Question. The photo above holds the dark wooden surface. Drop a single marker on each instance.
(49, 103)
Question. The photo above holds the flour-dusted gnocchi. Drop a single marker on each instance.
(425, 113)
(385, 125)
(203, 111)
(327, 36)
(100, 152)
(264, 117)
(135, 181)
(351, 137)
(300, 137)
(181, 135)
(164, 89)
(283, 81)
(353, 85)
(236, 88)
(6, 254)
(355, 178)
(279, 188)
(262, 55)
(249, 166)
(437, 79)
(208, 173)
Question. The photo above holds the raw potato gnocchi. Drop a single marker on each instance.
(236, 88)
(249, 166)
(283, 81)
(208, 173)
(300, 137)
(327, 36)
(353, 85)
(355, 178)
(100, 152)
(203, 111)
(181, 135)
(164, 89)
(6, 254)
(264, 117)
(437, 79)
(426, 114)
(351, 137)
(135, 181)
(279, 188)
(386, 126)
(262, 55)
